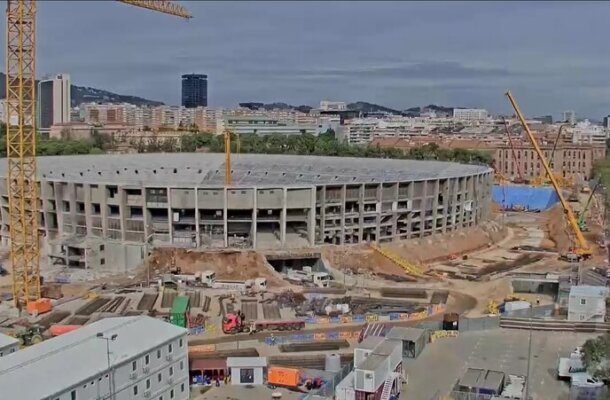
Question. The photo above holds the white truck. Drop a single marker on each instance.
(306, 276)
(208, 279)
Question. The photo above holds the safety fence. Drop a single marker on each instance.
(201, 329)
(311, 337)
(362, 318)
(442, 334)
(479, 324)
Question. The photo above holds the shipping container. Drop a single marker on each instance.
(279, 376)
(180, 311)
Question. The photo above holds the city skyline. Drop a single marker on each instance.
(395, 54)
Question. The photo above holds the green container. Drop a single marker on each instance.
(180, 310)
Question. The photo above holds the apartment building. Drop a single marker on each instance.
(114, 358)
(575, 160)
(264, 125)
(470, 114)
(326, 105)
(585, 132)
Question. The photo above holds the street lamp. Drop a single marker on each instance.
(112, 338)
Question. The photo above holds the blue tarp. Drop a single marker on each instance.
(530, 198)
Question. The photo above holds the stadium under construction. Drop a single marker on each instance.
(107, 211)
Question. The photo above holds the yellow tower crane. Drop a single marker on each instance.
(20, 115)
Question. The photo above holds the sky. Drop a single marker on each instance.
(553, 55)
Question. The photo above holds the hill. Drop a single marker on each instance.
(367, 108)
(82, 94)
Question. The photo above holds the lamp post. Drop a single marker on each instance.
(100, 335)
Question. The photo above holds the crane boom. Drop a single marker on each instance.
(20, 111)
(163, 6)
(581, 216)
(582, 245)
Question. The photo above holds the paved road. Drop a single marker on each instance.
(444, 361)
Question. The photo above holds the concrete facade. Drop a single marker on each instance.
(8, 345)
(94, 208)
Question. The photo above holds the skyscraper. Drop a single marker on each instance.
(194, 90)
(53, 101)
(569, 117)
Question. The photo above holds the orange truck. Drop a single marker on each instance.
(286, 377)
(56, 330)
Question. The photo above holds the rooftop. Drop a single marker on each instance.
(236, 362)
(405, 333)
(482, 379)
(589, 291)
(370, 342)
(372, 362)
(176, 169)
(6, 340)
(82, 350)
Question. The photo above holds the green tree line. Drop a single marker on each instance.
(323, 145)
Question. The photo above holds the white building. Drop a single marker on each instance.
(8, 345)
(470, 114)
(262, 125)
(147, 358)
(569, 117)
(326, 105)
(585, 132)
(247, 370)
(587, 303)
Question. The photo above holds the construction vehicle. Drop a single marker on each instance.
(57, 330)
(492, 308)
(307, 276)
(581, 248)
(30, 335)
(208, 279)
(235, 323)
(40, 306)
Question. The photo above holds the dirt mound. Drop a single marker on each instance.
(237, 265)
(360, 259)
(557, 229)
(439, 247)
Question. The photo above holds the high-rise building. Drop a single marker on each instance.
(53, 101)
(606, 123)
(569, 117)
(194, 90)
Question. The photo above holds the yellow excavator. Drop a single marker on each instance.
(581, 249)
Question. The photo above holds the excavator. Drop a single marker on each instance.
(581, 249)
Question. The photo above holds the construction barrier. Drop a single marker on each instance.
(202, 348)
(442, 334)
(362, 318)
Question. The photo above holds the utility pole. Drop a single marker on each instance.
(100, 335)
(529, 357)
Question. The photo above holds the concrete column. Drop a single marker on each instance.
(454, 190)
(170, 215)
(72, 201)
(435, 205)
(422, 213)
(198, 236)
(87, 189)
(104, 210)
(395, 213)
(323, 213)
(379, 207)
(446, 201)
(254, 211)
(311, 228)
(225, 216)
(122, 211)
(464, 196)
(410, 195)
(361, 216)
(146, 220)
(58, 190)
(283, 217)
(343, 196)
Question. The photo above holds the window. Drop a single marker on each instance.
(102, 247)
(171, 394)
(73, 395)
(146, 359)
(182, 388)
(135, 390)
(134, 365)
(148, 384)
(583, 302)
(181, 365)
(171, 371)
(246, 375)
(180, 342)
(169, 348)
(158, 353)
(102, 261)
(159, 377)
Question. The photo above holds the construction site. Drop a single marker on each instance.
(292, 276)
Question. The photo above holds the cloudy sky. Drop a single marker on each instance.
(553, 55)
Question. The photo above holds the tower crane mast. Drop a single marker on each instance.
(20, 114)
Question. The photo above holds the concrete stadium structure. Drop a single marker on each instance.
(107, 211)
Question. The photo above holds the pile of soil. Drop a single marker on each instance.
(557, 229)
(234, 265)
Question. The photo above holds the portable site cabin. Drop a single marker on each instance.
(413, 340)
(587, 303)
(480, 382)
(247, 370)
(380, 370)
